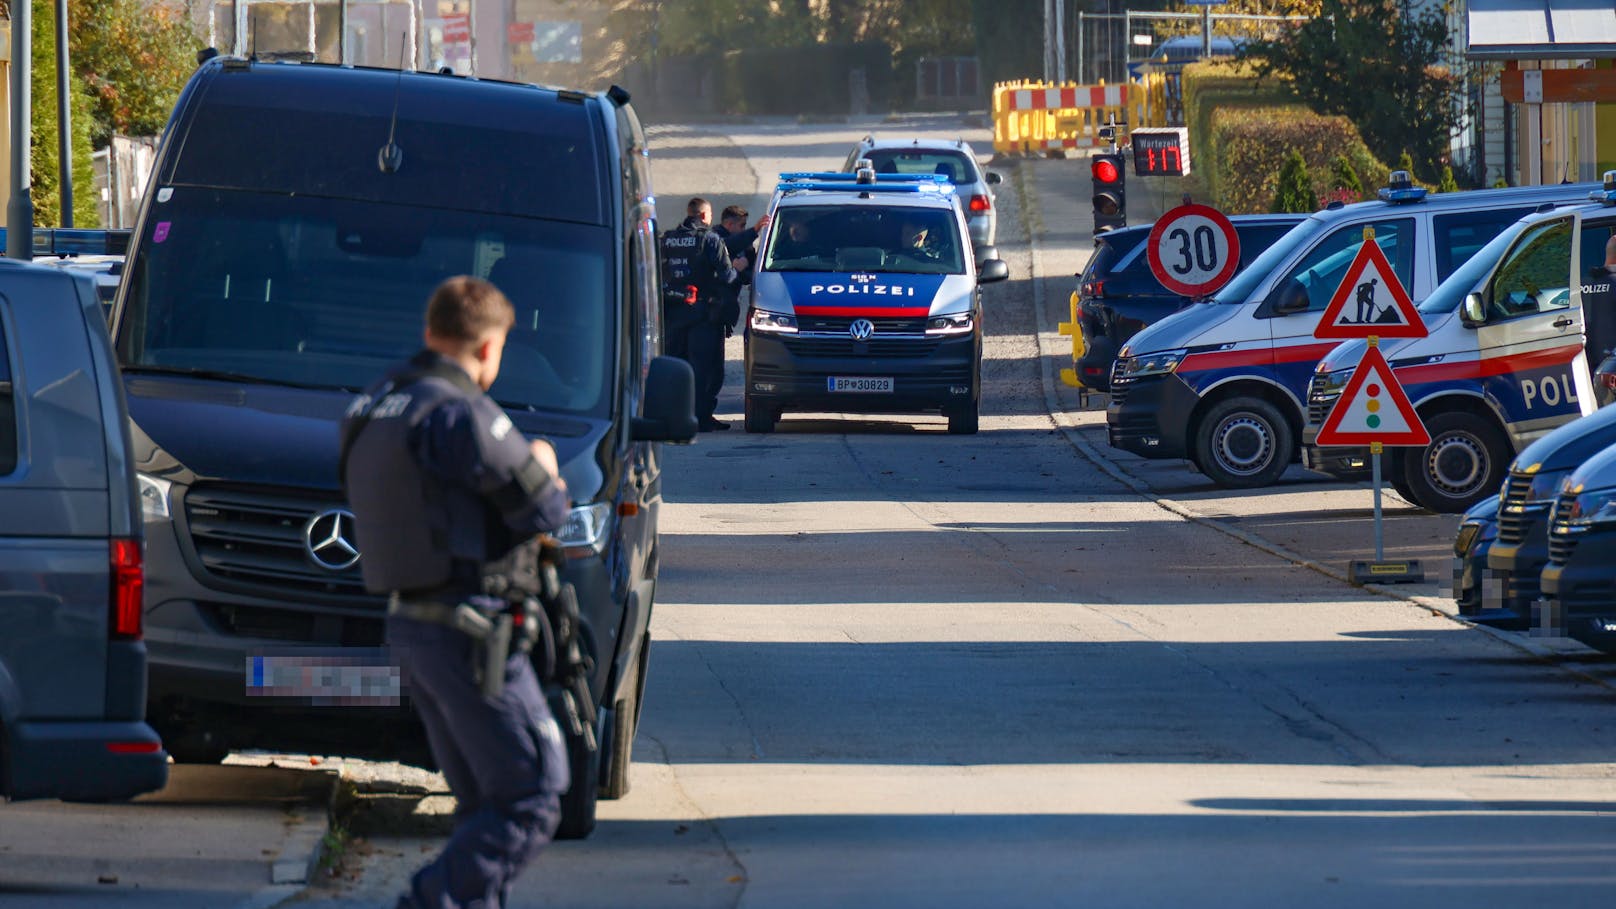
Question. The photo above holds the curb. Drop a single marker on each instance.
(1072, 434)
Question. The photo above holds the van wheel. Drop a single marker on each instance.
(1395, 475)
(1464, 463)
(625, 723)
(758, 417)
(578, 804)
(963, 422)
(1243, 443)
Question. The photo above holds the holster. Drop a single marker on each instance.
(491, 636)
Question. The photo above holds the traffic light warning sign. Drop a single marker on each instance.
(1373, 408)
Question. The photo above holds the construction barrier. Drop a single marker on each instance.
(1042, 117)
(1075, 332)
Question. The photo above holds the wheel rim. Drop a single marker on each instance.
(1456, 465)
(1243, 444)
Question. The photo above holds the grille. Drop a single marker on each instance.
(841, 324)
(1512, 516)
(1119, 384)
(1562, 538)
(1319, 401)
(875, 347)
(256, 538)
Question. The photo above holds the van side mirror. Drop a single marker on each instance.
(984, 253)
(1473, 311)
(670, 403)
(994, 179)
(1293, 299)
(992, 270)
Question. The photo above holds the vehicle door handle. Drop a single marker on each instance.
(1563, 322)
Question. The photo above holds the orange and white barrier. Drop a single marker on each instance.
(1039, 117)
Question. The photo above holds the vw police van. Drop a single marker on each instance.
(866, 300)
(1222, 383)
(1504, 363)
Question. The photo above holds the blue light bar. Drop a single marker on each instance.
(1409, 194)
(1605, 197)
(849, 187)
(68, 241)
(845, 177)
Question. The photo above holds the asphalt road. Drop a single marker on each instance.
(896, 667)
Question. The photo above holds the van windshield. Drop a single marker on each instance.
(864, 238)
(328, 293)
(1246, 282)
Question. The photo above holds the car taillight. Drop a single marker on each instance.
(128, 589)
(1093, 288)
(980, 204)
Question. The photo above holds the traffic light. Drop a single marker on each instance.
(1110, 177)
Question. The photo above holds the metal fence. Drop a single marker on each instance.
(121, 171)
(1111, 47)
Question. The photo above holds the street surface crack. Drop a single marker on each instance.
(711, 823)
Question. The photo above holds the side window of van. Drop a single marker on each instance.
(1460, 235)
(1320, 272)
(1534, 277)
(8, 411)
(1595, 237)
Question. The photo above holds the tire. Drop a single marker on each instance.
(1399, 483)
(1243, 443)
(625, 723)
(963, 422)
(579, 803)
(1465, 463)
(759, 418)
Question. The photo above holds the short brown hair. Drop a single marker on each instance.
(465, 308)
(696, 205)
(733, 211)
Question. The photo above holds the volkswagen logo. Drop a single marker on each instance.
(861, 329)
(328, 537)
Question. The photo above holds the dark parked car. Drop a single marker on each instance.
(72, 663)
(1579, 583)
(1516, 559)
(1477, 530)
(1118, 294)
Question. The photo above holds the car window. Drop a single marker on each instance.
(865, 239)
(1321, 271)
(8, 410)
(956, 166)
(1535, 276)
(1112, 253)
(1594, 239)
(1460, 235)
(1256, 238)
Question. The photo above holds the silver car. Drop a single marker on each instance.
(954, 159)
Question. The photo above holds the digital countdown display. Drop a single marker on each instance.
(1161, 151)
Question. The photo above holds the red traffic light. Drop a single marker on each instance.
(1105, 170)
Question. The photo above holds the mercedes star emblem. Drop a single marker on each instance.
(329, 539)
(861, 329)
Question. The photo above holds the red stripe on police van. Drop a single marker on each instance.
(865, 312)
(1259, 356)
(1493, 366)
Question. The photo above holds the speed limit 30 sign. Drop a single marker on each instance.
(1193, 250)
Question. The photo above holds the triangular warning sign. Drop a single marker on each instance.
(1373, 408)
(1370, 302)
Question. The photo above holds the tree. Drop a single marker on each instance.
(1344, 177)
(133, 56)
(1447, 184)
(1378, 65)
(1295, 193)
(45, 181)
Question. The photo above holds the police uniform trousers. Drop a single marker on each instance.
(504, 759)
(705, 344)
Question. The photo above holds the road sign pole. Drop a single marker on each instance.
(1380, 536)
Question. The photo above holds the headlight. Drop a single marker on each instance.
(1336, 379)
(153, 496)
(1152, 364)
(1545, 486)
(778, 323)
(586, 526)
(1597, 506)
(956, 324)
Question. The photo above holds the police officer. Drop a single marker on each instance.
(442, 484)
(740, 242)
(696, 270)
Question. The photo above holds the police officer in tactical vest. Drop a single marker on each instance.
(442, 485)
(696, 270)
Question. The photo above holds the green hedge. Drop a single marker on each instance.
(1242, 129)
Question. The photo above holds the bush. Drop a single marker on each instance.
(1447, 184)
(1295, 193)
(1344, 178)
(45, 176)
(1209, 88)
(1249, 147)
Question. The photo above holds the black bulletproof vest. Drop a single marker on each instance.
(415, 532)
(1599, 314)
(683, 259)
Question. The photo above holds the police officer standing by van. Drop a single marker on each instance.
(696, 272)
(442, 485)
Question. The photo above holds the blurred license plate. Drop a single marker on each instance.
(336, 678)
(860, 383)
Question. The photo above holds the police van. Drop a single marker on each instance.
(1223, 383)
(866, 300)
(1506, 359)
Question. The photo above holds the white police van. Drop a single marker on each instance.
(1505, 362)
(866, 300)
(1222, 383)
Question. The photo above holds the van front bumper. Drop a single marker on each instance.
(1150, 416)
(1584, 589)
(782, 372)
(84, 761)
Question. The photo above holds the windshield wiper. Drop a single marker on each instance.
(225, 376)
